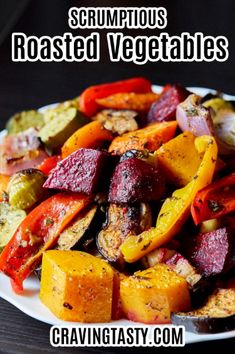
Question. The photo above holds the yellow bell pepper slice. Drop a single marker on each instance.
(176, 209)
(179, 159)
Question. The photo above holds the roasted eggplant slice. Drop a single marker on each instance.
(80, 230)
(217, 315)
(120, 223)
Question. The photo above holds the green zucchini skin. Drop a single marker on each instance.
(201, 325)
(24, 120)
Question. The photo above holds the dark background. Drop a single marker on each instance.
(31, 85)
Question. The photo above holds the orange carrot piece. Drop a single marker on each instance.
(140, 102)
(91, 135)
(150, 138)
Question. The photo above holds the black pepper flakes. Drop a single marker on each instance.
(214, 206)
(146, 246)
(67, 306)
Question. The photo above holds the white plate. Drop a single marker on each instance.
(30, 304)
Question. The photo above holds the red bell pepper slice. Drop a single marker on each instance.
(215, 200)
(87, 101)
(49, 163)
(38, 232)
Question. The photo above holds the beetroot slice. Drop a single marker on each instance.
(135, 180)
(214, 251)
(81, 172)
(164, 109)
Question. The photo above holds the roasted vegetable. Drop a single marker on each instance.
(118, 122)
(164, 109)
(151, 295)
(121, 222)
(10, 219)
(210, 225)
(4, 180)
(224, 123)
(210, 96)
(58, 130)
(25, 120)
(176, 209)
(218, 104)
(79, 229)
(49, 163)
(77, 286)
(135, 180)
(150, 138)
(88, 99)
(179, 159)
(38, 232)
(92, 135)
(215, 200)
(194, 117)
(160, 255)
(139, 154)
(214, 251)
(20, 151)
(51, 112)
(82, 172)
(25, 188)
(181, 266)
(217, 315)
(116, 302)
(200, 287)
(175, 261)
(223, 116)
(139, 102)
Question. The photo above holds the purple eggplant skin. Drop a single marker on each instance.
(201, 290)
(82, 171)
(136, 181)
(216, 315)
(204, 325)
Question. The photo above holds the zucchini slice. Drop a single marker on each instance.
(60, 127)
(10, 219)
(24, 120)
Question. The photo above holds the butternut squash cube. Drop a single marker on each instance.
(76, 286)
(151, 295)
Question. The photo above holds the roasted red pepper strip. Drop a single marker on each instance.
(38, 232)
(215, 200)
(49, 163)
(87, 101)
